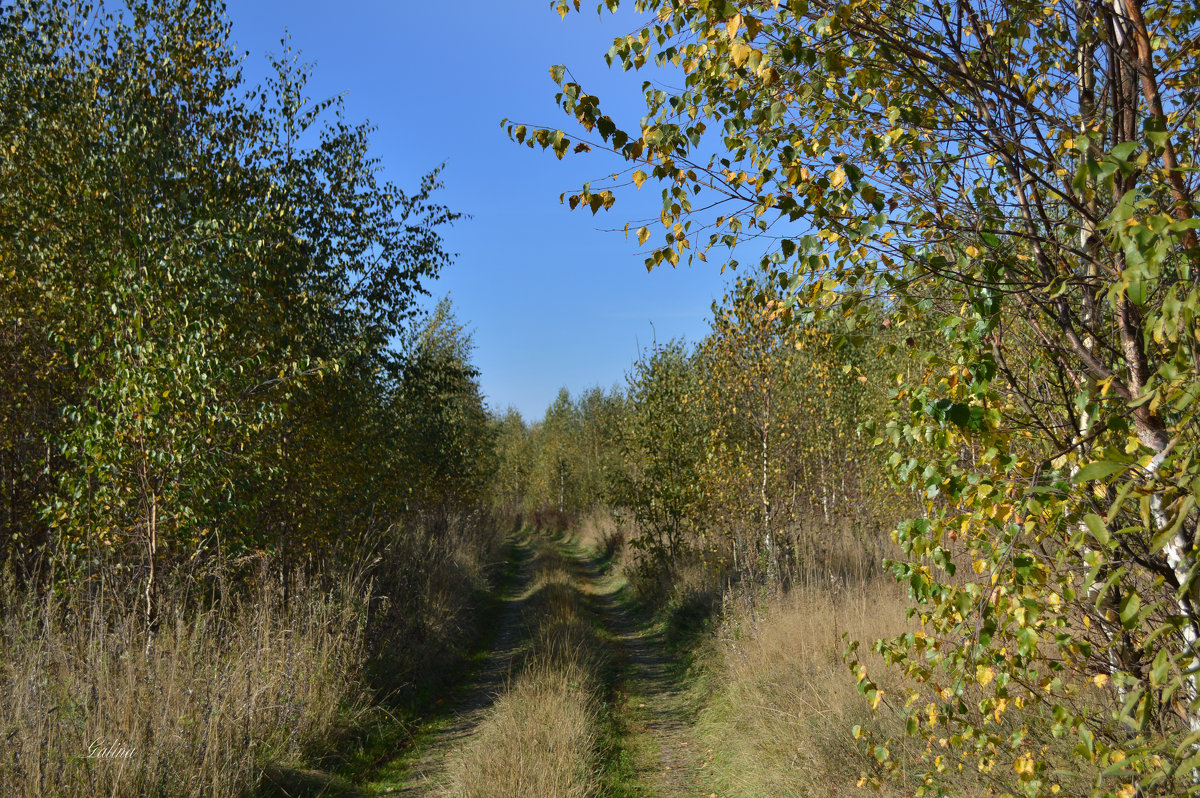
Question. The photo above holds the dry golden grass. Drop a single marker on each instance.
(87, 710)
(537, 739)
(254, 681)
(781, 717)
(602, 533)
(540, 736)
(425, 585)
(780, 703)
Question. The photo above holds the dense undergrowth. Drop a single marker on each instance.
(240, 689)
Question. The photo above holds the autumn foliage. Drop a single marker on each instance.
(1010, 187)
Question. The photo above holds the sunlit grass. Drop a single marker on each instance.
(541, 735)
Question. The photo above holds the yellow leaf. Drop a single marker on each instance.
(973, 252)
(739, 53)
(643, 235)
(837, 177)
(731, 27)
(639, 177)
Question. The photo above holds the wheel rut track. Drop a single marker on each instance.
(649, 699)
(426, 777)
(652, 700)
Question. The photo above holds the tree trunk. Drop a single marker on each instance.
(151, 593)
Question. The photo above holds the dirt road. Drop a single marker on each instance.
(660, 755)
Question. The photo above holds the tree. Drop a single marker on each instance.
(514, 461)
(664, 443)
(180, 274)
(749, 374)
(447, 444)
(601, 418)
(556, 466)
(1019, 178)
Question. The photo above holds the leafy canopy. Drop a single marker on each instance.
(1013, 184)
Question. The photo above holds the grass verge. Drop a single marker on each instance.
(221, 695)
(259, 683)
(385, 757)
(781, 703)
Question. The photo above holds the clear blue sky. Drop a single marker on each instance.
(553, 299)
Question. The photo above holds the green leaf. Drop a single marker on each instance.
(1122, 151)
(1098, 528)
(959, 414)
(1137, 292)
(1098, 470)
(1160, 669)
(1130, 605)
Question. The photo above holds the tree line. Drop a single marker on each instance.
(211, 343)
(745, 449)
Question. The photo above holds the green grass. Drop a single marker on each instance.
(620, 748)
(623, 749)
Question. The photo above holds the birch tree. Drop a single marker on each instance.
(1017, 180)
(664, 441)
(183, 258)
(749, 374)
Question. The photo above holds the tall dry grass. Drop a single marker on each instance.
(776, 701)
(86, 708)
(783, 705)
(540, 736)
(427, 586)
(248, 680)
(604, 534)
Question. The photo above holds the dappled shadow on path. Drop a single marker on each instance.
(645, 688)
(468, 706)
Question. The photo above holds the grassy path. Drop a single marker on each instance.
(659, 754)
(648, 748)
(421, 771)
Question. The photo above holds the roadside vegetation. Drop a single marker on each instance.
(246, 482)
(917, 515)
(990, 212)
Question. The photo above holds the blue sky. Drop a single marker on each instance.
(553, 299)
